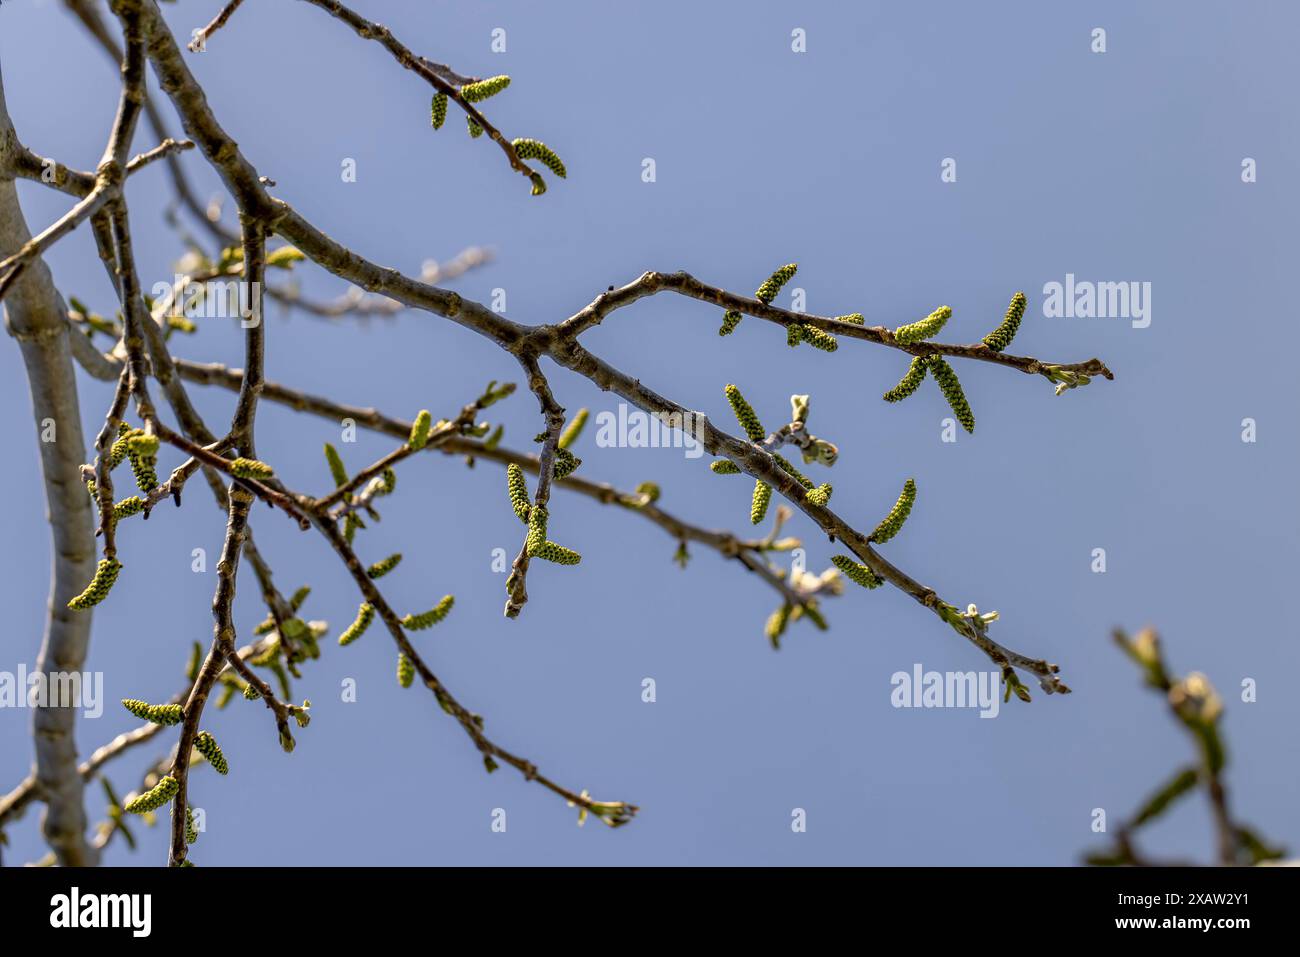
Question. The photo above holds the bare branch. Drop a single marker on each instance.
(200, 40)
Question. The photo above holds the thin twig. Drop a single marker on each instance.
(200, 40)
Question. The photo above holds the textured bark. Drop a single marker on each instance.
(35, 316)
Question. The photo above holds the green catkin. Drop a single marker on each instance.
(420, 430)
(745, 414)
(536, 149)
(251, 469)
(573, 431)
(365, 614)
(818, 339)
(923, 329)
(163, 714)
(821, 495)
(438, 110)
(118, 451)
(518, 490)
(1001, 337)
(337, 470)
(772, 285)
(854, 317)
(191, 832)
(146, 478)
(794, 334)
(537, 517)
(475, 131)
(910, 382)
(154, 798)
(105, 575)
(480, 91)
(776, 624)
(565, 463)
(551, 552)
(405, 670)
(857, 572)
(427, 619)
(387, 482)
(724, 467)
(142, 450)
(141, 443)
(251, 693)
(950, 386)
(891, 523)
(206, 745)
(762, 496)
(382, 567)
(128, 506)
(730, 319)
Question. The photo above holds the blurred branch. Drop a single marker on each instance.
(1198, 709)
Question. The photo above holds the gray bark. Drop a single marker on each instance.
(36, 317)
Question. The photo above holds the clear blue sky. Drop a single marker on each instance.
(1114, 167)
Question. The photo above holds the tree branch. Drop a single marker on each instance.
(35, 317)
(684, 284)
(748, 552)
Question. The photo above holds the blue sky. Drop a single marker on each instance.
(1122, 166)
